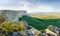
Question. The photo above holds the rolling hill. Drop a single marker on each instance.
(41, 24)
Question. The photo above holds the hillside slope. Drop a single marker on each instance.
(41, 24)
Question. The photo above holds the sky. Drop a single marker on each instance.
(31, 5)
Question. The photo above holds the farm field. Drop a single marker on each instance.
(45, 16)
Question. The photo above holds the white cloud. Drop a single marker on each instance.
(32, 8)
(37, 8)
(42, 9)
(24, 5)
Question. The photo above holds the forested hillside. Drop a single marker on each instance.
(41, 24)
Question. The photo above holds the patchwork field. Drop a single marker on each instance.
(45, 16)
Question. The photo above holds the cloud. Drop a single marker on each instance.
(41, 8)
(35, 8)
(25, 5)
